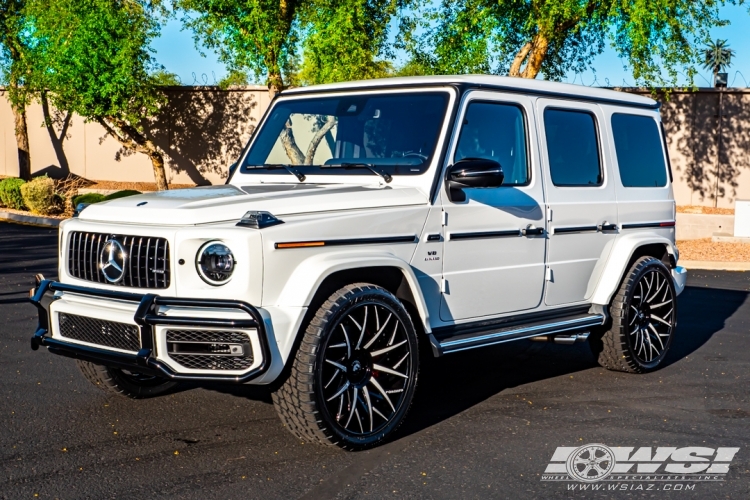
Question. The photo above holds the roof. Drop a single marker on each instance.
(538, 87)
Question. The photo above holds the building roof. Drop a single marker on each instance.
(525, 85)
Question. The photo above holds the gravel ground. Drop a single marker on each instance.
(697, 209)
(138, 186)
(706, 249)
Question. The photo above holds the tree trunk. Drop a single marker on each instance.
(275, 84)
(134, 140)
(160, 174)
(515, 68)
(533, 54)
(22, 141)
(536, 57)
(57, 142)
(293, 152)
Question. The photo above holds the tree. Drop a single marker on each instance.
(718, 57)
(14, 71)
(347, 39)
(527, 37)
(249, 35)
(93, 58)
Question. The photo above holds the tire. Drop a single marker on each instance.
(644, 313)
(124, 383)
(361, 347)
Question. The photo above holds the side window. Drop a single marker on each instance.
(572, 148)
(497, 132)
(640, 156)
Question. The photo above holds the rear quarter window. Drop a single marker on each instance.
(640, 156)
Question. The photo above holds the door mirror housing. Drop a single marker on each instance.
(230, 171)
(473, 172)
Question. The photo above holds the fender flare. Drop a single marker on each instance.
(310, 274)
(622, 251)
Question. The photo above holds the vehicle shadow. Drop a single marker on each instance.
(457, 382)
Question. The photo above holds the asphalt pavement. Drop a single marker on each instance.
(484, 423)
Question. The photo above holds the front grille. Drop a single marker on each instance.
(146, 261)
(100, 332)
(210, 350)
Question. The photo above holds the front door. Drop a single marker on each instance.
(494, 240)
(582, 207)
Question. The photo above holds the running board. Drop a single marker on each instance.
(497, 335)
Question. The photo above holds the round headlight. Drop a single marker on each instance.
(215, 263)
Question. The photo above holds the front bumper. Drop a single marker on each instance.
(146, 317)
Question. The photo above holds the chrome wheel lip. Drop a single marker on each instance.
(650, 319)
(371, 414)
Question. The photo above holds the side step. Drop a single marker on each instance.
(458, 338)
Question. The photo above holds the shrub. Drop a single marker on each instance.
(121, 194)
(87, 198)
(10, 193)
(39, 195)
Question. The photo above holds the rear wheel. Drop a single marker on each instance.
(354, 375)
(644, 315)
(125, 383)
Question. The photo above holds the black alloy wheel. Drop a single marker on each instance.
(355, 374)
(644, 318)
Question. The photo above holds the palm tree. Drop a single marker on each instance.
(718, 57)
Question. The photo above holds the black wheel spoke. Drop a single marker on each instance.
(650, 316)
(363, 389)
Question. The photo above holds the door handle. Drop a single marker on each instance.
(530, 230)
(604, 226)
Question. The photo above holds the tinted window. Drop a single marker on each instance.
(497, 132)
(572, 148)
(640, 156)
(395, 132)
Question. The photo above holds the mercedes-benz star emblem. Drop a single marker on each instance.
(112, 261)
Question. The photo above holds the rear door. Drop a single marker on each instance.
(581, 201)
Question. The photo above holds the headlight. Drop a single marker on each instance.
(215, 263)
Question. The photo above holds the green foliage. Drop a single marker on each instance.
(90, 198)
(95, 57)
(39, 195)
(235, 77)
(656, 38)
(10, 193)
(163, 78)
(14, 49)
(717, 56)
(87, 198)
(121, 194)
(347, 40)
(258, 36)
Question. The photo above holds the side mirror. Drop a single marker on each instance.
(232, 169)
(473, 172)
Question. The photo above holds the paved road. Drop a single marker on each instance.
(484, 424)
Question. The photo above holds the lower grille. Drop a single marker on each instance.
(100, 332)
(210, 350)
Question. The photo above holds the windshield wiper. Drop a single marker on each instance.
(278, 166)
(369, 166)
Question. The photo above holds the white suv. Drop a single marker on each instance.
(363, 218)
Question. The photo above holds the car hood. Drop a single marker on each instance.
(203, 205)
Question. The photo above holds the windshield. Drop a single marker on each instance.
(396, 133)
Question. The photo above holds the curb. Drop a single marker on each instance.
(30, 220)
(707, 265)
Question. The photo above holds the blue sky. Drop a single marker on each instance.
(176, 51)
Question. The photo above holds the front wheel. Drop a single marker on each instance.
(354, 375)
(125, 383)
(644, 317)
